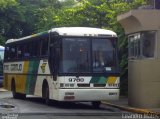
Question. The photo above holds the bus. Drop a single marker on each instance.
(64, 64)
(1, 64)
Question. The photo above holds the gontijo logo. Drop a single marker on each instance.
(13, 67)
(43, 67)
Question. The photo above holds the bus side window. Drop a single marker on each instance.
(13, 52)
(20, 51)
(6, 52)
(44, 47)
(27, 50)
(34, 48)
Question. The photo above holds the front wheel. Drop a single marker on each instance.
(47, 100)
(96, 104)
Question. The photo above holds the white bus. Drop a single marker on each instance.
(64, 64)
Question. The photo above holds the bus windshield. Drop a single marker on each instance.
(86, 55)
(103, 55)
(75, 55)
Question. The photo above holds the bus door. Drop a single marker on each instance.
(54, 51)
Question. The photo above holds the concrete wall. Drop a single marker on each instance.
(144, 83)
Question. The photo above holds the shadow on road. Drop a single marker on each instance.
(68, 105)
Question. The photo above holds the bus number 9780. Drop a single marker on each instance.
(76, 79)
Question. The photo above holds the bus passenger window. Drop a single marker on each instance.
(27, 50)
(44, 47)
(13, 52)
(20, 52)
(6, 56)
(34, 49)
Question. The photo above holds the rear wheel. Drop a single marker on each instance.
(96, 104)
(15, 94)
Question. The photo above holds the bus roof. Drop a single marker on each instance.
(83, 31)
(72, 31)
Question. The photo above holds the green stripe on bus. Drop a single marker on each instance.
(94, 80)
(99, 80)
(102, 80)
(31, 79)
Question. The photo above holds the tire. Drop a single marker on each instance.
(13, 89)
(96, 104)
(21, 96)
(46, 91)
(15, 94)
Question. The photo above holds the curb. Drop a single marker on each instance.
(134, 110)
(2, 90)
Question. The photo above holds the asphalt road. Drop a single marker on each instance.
(34, 108)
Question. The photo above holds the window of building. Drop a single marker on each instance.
(134, 45)
(142, 45)
(148, 44)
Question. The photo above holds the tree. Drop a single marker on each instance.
(5, 18)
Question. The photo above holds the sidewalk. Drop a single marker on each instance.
(122, 103)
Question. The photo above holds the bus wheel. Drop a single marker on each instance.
(13, 89)
(15, 94)
(47, 100)
(21, 96)
(96, 104)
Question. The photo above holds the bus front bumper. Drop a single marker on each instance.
(88, 94)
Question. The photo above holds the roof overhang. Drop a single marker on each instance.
(140, 20)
